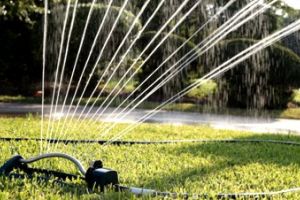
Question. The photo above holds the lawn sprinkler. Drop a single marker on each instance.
(97, 176)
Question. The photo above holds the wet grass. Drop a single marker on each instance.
(195, 168)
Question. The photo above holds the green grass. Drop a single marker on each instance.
(195, 168)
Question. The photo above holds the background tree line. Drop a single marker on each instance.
(264, 81)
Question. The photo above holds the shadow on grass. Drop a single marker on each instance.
(228, 157)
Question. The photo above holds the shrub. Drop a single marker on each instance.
(204, 90)
(265, 80)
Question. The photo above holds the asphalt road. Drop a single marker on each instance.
(260, 125)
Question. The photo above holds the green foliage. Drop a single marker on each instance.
(287, 12)
(268, 79)
(296, 97)
(21, 10)
(113, 83)
(21, 45)
(20, 99)
(207, 88)
(124, 23)
(210, 168)
(127, 16)
(175, 37)
(19, 52)
(161, 54)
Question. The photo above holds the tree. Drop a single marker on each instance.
(19, 67)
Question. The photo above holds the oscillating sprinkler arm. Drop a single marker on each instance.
(56, 155)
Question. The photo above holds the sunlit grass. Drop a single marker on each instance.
(195, 168)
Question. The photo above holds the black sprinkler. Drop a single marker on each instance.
(95, 176)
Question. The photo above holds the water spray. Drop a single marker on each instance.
(96, 175)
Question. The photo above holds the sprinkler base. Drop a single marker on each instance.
(96, 176)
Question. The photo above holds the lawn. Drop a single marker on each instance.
(209, 168)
